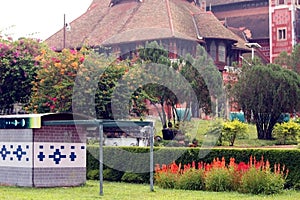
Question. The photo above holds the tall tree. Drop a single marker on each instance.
(205, 78)
(190, 81)
(17, 71)
(159, 79)
(290, 61)
(267, 91)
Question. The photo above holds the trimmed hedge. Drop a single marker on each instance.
(162, 155)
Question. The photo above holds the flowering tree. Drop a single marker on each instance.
(17, 71)
(77, 81)
(53, 87)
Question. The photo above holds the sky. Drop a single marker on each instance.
(38, 18)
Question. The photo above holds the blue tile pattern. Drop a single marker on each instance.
(4, 152)
(57, 156)
(19, 152)
(73, 156)
(14, 152)
(42, 154)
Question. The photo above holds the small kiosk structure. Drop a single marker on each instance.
(49, 150)
(42, 150)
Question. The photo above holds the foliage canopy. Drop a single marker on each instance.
(17, 71)
(265, 92)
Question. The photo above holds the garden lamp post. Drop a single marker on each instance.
(252, 45)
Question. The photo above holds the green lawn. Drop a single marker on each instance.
(198, 129)
(125, 191)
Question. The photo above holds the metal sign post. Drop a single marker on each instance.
(151, 158)
(101, 157)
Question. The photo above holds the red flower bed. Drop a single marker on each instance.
(243, 177)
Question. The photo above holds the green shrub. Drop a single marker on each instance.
(166, 180)
(192, 179)
(130, 177)
(112, 175)
(257, 181)
(253, 181)
(232, 130)
(287, 132)
(93, 174)
(218, 180)
(214, 134)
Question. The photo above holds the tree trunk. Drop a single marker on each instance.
(164, 123)
(164, 117)
(175, 116)
(259, 129)
(264, 125)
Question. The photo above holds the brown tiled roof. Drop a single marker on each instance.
(130, 20)
(210, 23)
(210, 27)
(239, 32)
(256, 25)
(241, 38)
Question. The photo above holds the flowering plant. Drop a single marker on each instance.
(17, 71)
(219, 176)
(53, 87)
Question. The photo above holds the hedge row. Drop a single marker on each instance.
(135, 160)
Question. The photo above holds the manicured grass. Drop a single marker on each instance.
(198, 128)
(125, 191)
(251, 139)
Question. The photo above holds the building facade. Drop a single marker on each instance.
(274, 24)
(284, 26)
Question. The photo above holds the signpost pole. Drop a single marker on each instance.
(101, 157)
(151, 158)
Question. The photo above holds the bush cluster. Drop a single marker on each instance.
(118, 176)
(258, 181)
(233, 130)
(227, 132)
(254, 177)
(287, 132)
(188, 155)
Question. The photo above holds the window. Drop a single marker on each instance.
(213, 50)
(281, 34)
(222, 52)
(280, 2)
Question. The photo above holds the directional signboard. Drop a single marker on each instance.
(20, 122)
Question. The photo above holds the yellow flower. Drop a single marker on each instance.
(57, 64)
(74, 65)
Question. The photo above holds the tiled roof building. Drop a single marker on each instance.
(180, 25)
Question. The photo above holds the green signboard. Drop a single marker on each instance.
(20, 122)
